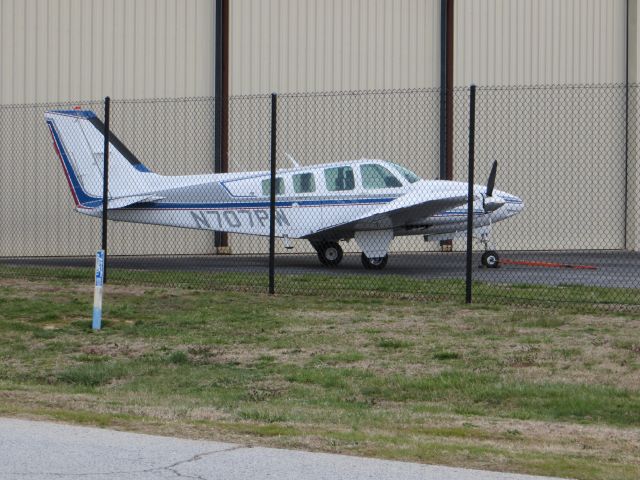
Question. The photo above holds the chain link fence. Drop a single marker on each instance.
(569, 153)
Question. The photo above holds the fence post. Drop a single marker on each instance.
(105, 183)
(272, 200)
(472, 133)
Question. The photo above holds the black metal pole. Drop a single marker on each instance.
(626, 131)
(105, 183)
(221, 101)
(443, 89)
(472, 134)
(218, 91)
(272, 201)
(449, 93)
(446, 98)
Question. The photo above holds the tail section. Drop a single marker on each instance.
(78, 138)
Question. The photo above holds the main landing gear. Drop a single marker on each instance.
(374, 263)
(329, 253)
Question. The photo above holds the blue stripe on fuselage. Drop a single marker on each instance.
(263, 204)
(281, 204)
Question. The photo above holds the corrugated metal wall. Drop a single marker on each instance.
(545, 43)
(331, 45)
(58, 50)
(75, 50)
(539, 42)
(633, 191)
(337, 45)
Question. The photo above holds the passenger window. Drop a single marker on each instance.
(407, 174)
(304, 183)
(266, 187)
(339, 179)
(376, 176)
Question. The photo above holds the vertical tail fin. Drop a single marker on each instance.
(78, 138)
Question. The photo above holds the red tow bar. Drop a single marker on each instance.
(529, 263)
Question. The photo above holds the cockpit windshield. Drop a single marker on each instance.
(406, 173)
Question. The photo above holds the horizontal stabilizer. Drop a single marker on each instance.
(122, 202)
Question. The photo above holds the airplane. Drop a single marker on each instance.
(371, 201)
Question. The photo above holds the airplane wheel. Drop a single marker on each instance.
(330, 253)
(374, 263)
(490, 259)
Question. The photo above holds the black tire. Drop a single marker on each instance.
(490, 259)
(330, 253)
(374, 263)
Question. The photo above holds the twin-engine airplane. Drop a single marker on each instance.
(371, 201)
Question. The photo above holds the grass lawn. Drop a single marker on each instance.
(539, 389)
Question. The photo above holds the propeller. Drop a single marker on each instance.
(489, 203)
(492, 179)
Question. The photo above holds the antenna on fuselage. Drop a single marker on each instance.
(292, 160)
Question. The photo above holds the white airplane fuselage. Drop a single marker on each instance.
(300, 215)
(370, 200)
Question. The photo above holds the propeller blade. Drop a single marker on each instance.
(492, 179)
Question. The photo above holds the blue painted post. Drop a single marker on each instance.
(97, 294)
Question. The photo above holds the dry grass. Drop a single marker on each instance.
(549, 391)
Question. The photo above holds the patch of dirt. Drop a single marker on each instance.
(112, 349)
(31, 288)
(606, 442)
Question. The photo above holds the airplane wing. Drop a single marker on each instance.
(401, 212)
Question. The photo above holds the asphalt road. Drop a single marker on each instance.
(611, 268)
(41, 451)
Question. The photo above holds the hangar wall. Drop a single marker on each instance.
(633, 191)
(84, 49)
(57, 51)
(546, 43)
(292, 46)
(539, 42)
(309, 46)
(335, 45)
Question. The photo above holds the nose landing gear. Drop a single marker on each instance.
(490, 258)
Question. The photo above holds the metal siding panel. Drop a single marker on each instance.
(171, 55)
(633, 192)
(83, 67)
(137, 48)
(72, 50)
(160, 51)
(204, 45)
(333, 45)
(30, 33)
(539, 42)
(104, 53)
(128, 71)
(19, 52)
(40, 59)
(551, 42)
(634, 61)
